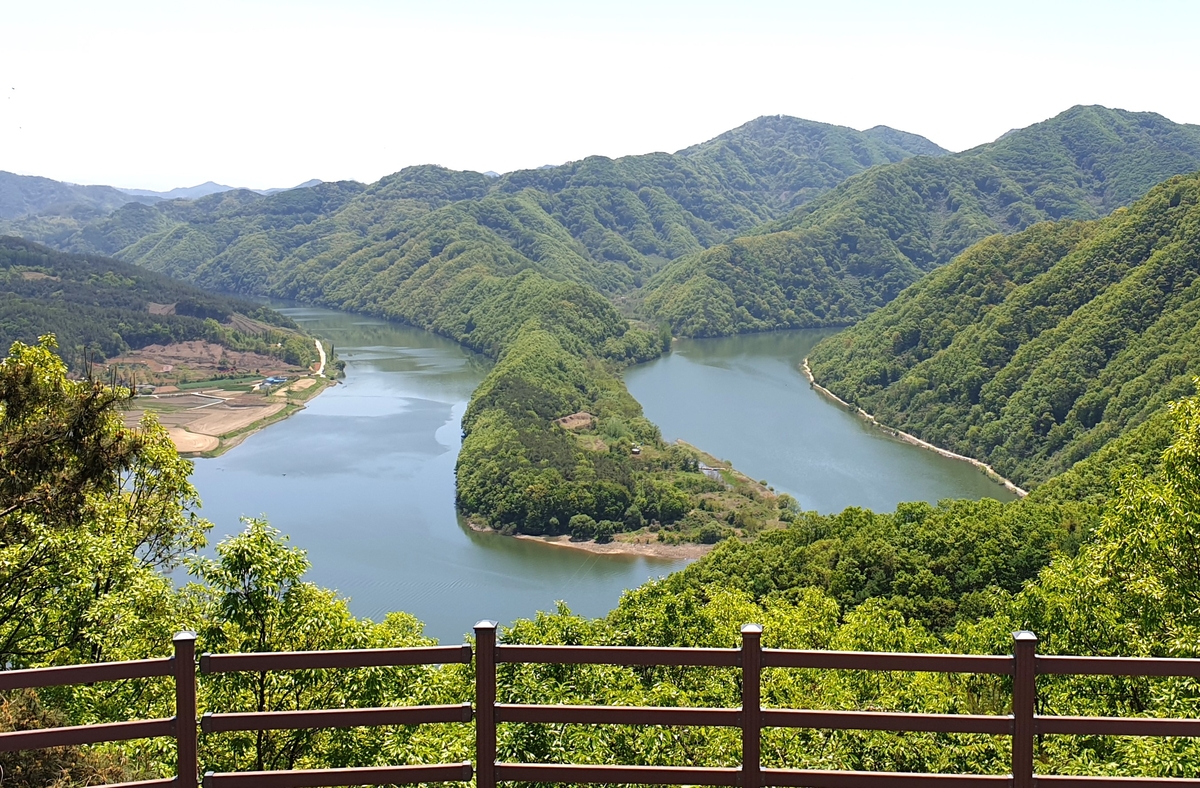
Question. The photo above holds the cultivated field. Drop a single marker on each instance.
(210, 420)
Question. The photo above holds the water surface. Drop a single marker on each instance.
(745, 399)
(363, 479)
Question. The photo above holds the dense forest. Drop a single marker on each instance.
(960, 576)
(837, 258)
(1033, 351)
(515, 268)
(608, 222)
(98, 308)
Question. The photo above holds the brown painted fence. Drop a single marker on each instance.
(1024, 665)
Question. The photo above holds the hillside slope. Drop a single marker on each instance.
(609, 223)
(24, 195)
(1033, 351)
(99, 308)
(854, 249)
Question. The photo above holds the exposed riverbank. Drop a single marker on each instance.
(911, 439)
(210, 422)
(641, 544)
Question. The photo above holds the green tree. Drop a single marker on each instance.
(253, 597)
(90, 512)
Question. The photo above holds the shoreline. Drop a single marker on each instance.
(292, 407)
(912, 439)
(197, 444)
(647, 549)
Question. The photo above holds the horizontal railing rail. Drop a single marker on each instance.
(620, 655)
(325, 660)
(37, 678)
(1022, 726)
(182, 726)
(1117, 666)
(887, 661)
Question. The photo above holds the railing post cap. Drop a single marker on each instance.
(752, 629)
(1025, 636)
(186, 634)
(485, 624)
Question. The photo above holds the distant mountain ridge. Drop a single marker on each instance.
(609, 223)
(207, 188)
(25, 195)
(837, 258)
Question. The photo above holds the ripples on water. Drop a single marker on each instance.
(363, 479)
(745, 399)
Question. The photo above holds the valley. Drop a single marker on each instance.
(607, 360)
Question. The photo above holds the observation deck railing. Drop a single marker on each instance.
(1024, 665)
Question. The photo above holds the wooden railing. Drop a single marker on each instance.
(1022, 725)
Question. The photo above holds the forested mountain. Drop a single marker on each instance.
(609, 223)
(23, 195)
(1032, 351)
(851, 251)
(98, 308)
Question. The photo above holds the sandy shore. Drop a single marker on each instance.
(640, 545)
(913, 439)
(213, 421)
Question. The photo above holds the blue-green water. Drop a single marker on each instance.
(746, 399)
(363, 479)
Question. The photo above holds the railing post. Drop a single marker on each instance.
(187, 768)
(485, 704)
(1024, 704)
(751, 706)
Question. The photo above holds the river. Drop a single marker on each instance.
(745, 399)
(363, 479)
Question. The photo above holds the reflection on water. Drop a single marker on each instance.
(745, 399)
(363, 479)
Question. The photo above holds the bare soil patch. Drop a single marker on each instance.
(615, 547)
(576, 421)
(191, 443)
(221, 419)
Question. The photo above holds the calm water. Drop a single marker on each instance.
(364, 480)
(745, 399)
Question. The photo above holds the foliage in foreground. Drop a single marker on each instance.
(1129, 589)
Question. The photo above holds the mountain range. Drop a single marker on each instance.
(207, 188)
(834, 260)
(780, 223)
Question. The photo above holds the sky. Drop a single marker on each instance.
(266, 93)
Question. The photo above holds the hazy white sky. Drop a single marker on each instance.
(259, 93)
